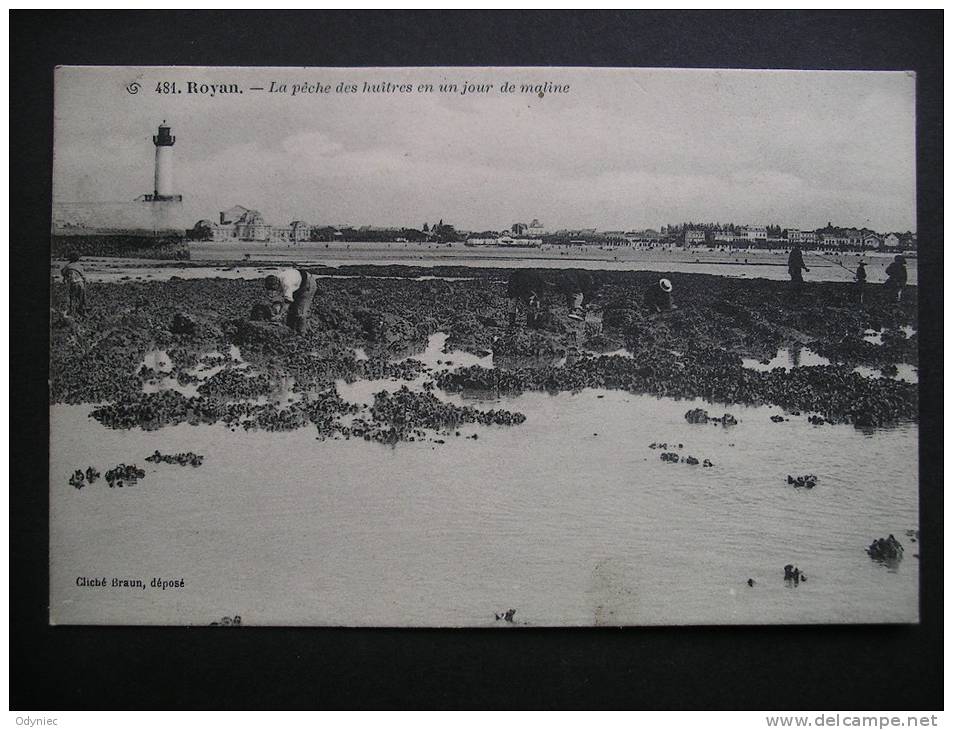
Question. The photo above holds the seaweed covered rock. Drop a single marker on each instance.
(807, 481)
(794, 575)
(182, 324)
(697, 415)
(265, 337)
(182, 459)
(404, 413)
(262, 312)
(885, 549)
(506, 615)
(527, 343)
(151, 411)
(693, 353)
(124, 474)
(236, 384)
(322, 411)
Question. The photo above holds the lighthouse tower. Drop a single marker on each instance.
(163, 174)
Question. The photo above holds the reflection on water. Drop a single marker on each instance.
(905, 371)
(623, 352)
(794, 357)
(159, 361)
(787, 358)
(362, 391)
(435, 356)
(876, 337)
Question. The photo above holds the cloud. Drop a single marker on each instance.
(625, 148)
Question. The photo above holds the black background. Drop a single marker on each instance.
(829, 667)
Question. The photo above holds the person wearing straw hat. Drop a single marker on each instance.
(658, 298)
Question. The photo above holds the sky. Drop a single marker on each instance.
(621, 149)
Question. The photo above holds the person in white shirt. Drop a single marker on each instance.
(296, 288)
(75, 282)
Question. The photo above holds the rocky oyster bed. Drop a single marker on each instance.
(693, 352)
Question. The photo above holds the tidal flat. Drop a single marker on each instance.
(414, 460)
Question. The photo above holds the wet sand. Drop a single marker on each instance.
(229, 260)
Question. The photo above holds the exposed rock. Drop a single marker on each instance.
(506, 615)
(794, 575)
(124, 474)
(807, 481)
(186, 459)
(886, 550)
(697, 415)
(183, 324)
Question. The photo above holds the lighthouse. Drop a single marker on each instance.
(158, 214)
(164, 141)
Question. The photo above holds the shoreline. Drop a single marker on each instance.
(108, 268)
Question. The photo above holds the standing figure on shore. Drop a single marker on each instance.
(75, 281)
(897, 276)
(658, 297)
(296, 288)
(796, 266)
(861, 278)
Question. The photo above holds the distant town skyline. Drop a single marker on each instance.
(622, 149)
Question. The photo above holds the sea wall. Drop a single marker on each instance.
(121, 246)
(135, 218)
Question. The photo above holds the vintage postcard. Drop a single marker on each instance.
(483, 347)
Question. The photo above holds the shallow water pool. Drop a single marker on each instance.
(569, 518)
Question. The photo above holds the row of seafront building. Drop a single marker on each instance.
(239, 223)
(245, 224)
(828, 238)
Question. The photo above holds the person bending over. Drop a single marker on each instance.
(658, 298)
(295, 289)
(75, 281)
(532, 287)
